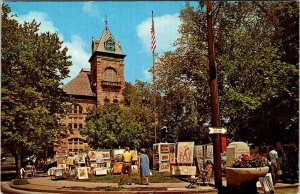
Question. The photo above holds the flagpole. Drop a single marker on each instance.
(153, 70)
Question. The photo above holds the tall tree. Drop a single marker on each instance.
(252, 75)
(33, 66)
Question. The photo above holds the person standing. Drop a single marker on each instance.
(273, 155)
(144, 167)
(126, 167)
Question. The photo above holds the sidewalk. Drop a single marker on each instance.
(46, 185)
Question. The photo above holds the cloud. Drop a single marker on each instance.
(166, 32)
(90, 9)
(42, 18)
(76, 48)
(79, 56)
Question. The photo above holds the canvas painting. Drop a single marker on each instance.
(198, 151)
(164, 148)
(117, 167)
(82, 173)
(105, 155)
(185, 152)
(62, 166)
(117, 154)
(164, 157)
(184, 170)
(134, 155)
(70, 161)
(92, 155)
(209, 152)
(172, 147)
(172, 158)
(164, 167)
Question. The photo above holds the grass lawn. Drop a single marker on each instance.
(157, 177)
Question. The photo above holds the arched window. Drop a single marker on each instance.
(78, 109)
(110, 75)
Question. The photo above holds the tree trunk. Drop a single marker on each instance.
(18, 165)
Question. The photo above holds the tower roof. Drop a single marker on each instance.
(107, 43)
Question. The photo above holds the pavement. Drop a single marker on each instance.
(47, 185)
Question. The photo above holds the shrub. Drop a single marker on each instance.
(20, 182)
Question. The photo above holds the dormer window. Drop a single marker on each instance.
(109, 44)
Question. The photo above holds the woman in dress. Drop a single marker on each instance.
(144, 167)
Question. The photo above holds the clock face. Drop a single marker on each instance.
(110, 44)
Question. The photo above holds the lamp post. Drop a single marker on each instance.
(214, 97)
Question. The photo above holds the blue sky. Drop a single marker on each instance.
(130, 23)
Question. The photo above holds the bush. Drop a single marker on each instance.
(20, 182)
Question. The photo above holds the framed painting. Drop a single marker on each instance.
(164, 148)
(164, 157)
(185, 152)
(92, 155)
(172, 158)
(184, 170)
(117, 154)
(83, 173)
(172, 147)
(164, 167)
(105, 155)
(117, 167)
(198, 151)
(134, 155)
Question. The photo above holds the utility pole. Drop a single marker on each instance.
(214, 97)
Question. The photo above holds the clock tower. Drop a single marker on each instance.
(107, 69)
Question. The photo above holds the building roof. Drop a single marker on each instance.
(80, 85)
(98, 45)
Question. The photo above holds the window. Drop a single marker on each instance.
(75, 126)
(70, 125)
(110, 75)
(80, 126)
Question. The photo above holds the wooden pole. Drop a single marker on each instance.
(214, 97)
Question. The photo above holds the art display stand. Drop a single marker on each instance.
(163, 156)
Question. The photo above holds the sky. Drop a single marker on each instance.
(129, 22)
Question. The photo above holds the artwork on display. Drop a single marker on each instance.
(198, 151)
(81, 158)
(99, 157)
(172, 158)
(117, 167)
(200, 163)
(62, 166)
(82, 173)
(185, 152)
(58, 172)
(93, 165)
(209, 152)
(164, 167)
(172, 147)
(184, 170)
(70, 161)
(92, 155)
(117, 154)
(164, 148)
(105, 155)
(164, 157)
(101, 171)
(134, 155)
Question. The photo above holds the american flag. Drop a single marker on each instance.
(153, 41)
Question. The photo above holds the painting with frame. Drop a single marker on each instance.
(83, 173)
(185, 152)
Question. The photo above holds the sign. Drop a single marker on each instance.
(184, 170)
(216, 130)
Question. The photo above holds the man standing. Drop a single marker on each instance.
(126, 167)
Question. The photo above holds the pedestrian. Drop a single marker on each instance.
(144, 167)
(293, 161)
(273, 155)
(126, 167)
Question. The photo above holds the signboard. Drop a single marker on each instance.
(216, 130)
(184, 170)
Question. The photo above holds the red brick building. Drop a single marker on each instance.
(103, 83)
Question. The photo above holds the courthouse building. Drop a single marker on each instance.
(103, 83)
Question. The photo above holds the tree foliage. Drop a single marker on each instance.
(256, 76)
(33, 66)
